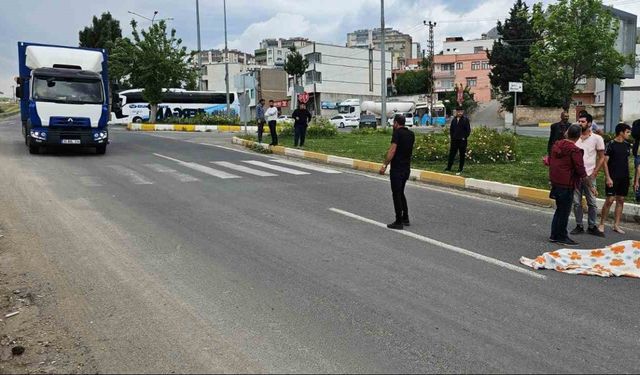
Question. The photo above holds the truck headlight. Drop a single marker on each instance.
(38, 135)
(98, 136)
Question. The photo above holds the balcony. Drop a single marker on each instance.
(444, 74)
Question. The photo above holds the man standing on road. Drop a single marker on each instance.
(558, 130)
(616, 169)
(302, 118)
(272, 117)
(459, 133)
(399, 155)
(260, 119)
(566, 170)
(635, 133)
(593, 147)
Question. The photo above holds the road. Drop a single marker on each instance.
(178, 252)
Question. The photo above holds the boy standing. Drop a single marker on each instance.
(616, 169)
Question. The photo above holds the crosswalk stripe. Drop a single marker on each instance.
(132, 175)
(275, 167)
(242, 168)
(306, 166)
(201, 168)
(182, 177)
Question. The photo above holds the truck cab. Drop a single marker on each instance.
(64, 96)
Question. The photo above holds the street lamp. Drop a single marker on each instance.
(199, 47)
(155, 12)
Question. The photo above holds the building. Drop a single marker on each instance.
(400, 45)
(629, 93)
(217, 56)
(273, 52)
(464, 63)
(338, 73)
(261, 82)
(213, 75)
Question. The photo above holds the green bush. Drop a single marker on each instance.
(318, 128)
(485, 146)
(202, 119)
(247, 137)
(370, 131)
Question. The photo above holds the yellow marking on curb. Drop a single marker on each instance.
(277, 150)
(366, 166)
(441, 178)
(316, 156)
(148, 127)
(544, 124)
(532, 195)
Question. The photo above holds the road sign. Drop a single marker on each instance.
(515, 86)
(303, 97)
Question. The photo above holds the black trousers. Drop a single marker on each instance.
(457, 145)
(260, 130)
(272, 131)
(398, 183)
(564, 202)
(299, 134)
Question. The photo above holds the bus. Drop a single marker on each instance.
(439, 112)
(176, 103)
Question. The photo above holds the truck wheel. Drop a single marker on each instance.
(101, 150)
(33, 149)
(137, 120)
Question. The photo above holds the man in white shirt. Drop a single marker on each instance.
(593, 147)
(271, 115)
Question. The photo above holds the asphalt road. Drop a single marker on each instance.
(162, 263)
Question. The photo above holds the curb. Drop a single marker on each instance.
(193, 128)
(534, 196)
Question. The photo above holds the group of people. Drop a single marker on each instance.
(301, 116)
(576, 154)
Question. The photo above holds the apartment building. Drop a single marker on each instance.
(273, 52)
(398, 44)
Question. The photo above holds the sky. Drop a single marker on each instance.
(249, 21)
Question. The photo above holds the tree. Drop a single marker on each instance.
(102, 33)
(153, 61)
(450, 100)
(296, 65)
(413, 82)
(510, 52)
(577, 42)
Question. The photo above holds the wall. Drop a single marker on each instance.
(528, 115)
(215, 76)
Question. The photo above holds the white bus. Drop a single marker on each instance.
(176, 103)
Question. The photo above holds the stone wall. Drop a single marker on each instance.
(528, 115)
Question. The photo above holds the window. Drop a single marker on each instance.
(472, 81)
(314, 57)
(337, 118)
(475, 65)
(637, 66)
(485, 65)
(313, 76)
(446, 67)
(269, 52)
(448, 84)
(459, 66)
(478, 49)
(582, 81)
(279, 52)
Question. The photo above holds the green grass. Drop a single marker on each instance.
(9, 109)
(528, 170)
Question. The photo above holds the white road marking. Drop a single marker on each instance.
(443, 245)
(306, 166)
(132, 175)
(201, 168)
(90, 181)
(242, 168)
(182, 177)
(275, 167)
(225, 147)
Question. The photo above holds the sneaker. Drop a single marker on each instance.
(595, 231)
(579, 229)
(406, 222)
(552, 240)
(567, 242)
(395, 225)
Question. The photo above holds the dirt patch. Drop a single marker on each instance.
(32, 338)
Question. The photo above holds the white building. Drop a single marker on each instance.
(459, 46)
(337, 73)
(629, 93)
(273, 52)
(213, 75)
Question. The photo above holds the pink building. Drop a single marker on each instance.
(468, 69)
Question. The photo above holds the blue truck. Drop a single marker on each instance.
(64, 96)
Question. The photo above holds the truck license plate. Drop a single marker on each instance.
(71, 141)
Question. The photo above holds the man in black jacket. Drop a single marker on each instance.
(459, 133)
(302, 118)
(558, 131)
(635, 133)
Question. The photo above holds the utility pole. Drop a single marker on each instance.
(226, 56)
(431, 49)
(199, 47)
(383, 78)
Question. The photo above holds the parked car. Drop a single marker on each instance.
(408, 116)
(285, 118)
(368, 121)
(341, 121)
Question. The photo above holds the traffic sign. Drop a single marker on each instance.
(303, 97)
(515, 86)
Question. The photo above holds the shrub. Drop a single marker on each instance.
(485, 146)
(318, 128)
(202, 119)
(370, 131)
(247, 137)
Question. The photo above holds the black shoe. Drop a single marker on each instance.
(447, 169)
(406, 222)
(395, 225)
(577, 230)
(567, 242)
(595, 231)
(552, 240)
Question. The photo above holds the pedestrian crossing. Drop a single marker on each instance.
(190, 172)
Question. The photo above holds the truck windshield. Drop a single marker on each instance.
(67, 90)
(346, 109)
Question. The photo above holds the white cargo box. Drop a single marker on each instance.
(47, 57)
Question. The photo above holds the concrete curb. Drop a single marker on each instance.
(538, 197)
(194, 128)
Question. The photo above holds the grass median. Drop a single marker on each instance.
(527, 170)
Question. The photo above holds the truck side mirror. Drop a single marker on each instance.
(19, 92)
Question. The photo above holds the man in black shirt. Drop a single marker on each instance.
(635, 133)
(459, 132)
(558, 130)
(399, 155)
(302, 117)
(616, 169)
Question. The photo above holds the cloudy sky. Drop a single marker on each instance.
(249, 21)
